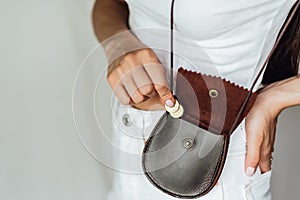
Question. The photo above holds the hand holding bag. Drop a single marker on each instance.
(184, 156)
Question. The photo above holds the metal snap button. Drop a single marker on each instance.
(213, 93)
(127, 120)
(188, 143)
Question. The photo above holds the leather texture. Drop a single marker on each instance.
(211, 106)
(180, 171)
(184, 157)
(216, 114)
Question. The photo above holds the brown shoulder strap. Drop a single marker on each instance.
(283, 29)
(171, 44)
(281, 33)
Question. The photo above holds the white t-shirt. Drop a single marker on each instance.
(229, 38)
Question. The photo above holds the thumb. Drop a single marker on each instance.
(254, 143)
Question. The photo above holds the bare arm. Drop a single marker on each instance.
(262, 119)
(109, 18)
(283, 94)
(135, 73)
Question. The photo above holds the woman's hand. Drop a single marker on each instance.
(136, 75)
(260, 132)
(262, 119)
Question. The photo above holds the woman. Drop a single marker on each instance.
(237, 36)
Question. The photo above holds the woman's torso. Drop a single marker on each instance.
(227, 38)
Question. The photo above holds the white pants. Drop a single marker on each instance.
(131, 184)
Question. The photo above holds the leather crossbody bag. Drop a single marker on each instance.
(184, 156)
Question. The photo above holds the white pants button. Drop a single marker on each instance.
(127, 120)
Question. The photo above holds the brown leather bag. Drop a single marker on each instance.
(184, 157)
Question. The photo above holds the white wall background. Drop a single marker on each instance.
(42, 45)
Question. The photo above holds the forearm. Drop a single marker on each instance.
(109, 18)
(110, 21)
(282, 94)
(262, 119)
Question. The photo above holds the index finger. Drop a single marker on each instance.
(157, 74)
(254, 143)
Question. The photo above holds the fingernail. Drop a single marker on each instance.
(169, 103)
(250, 171)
